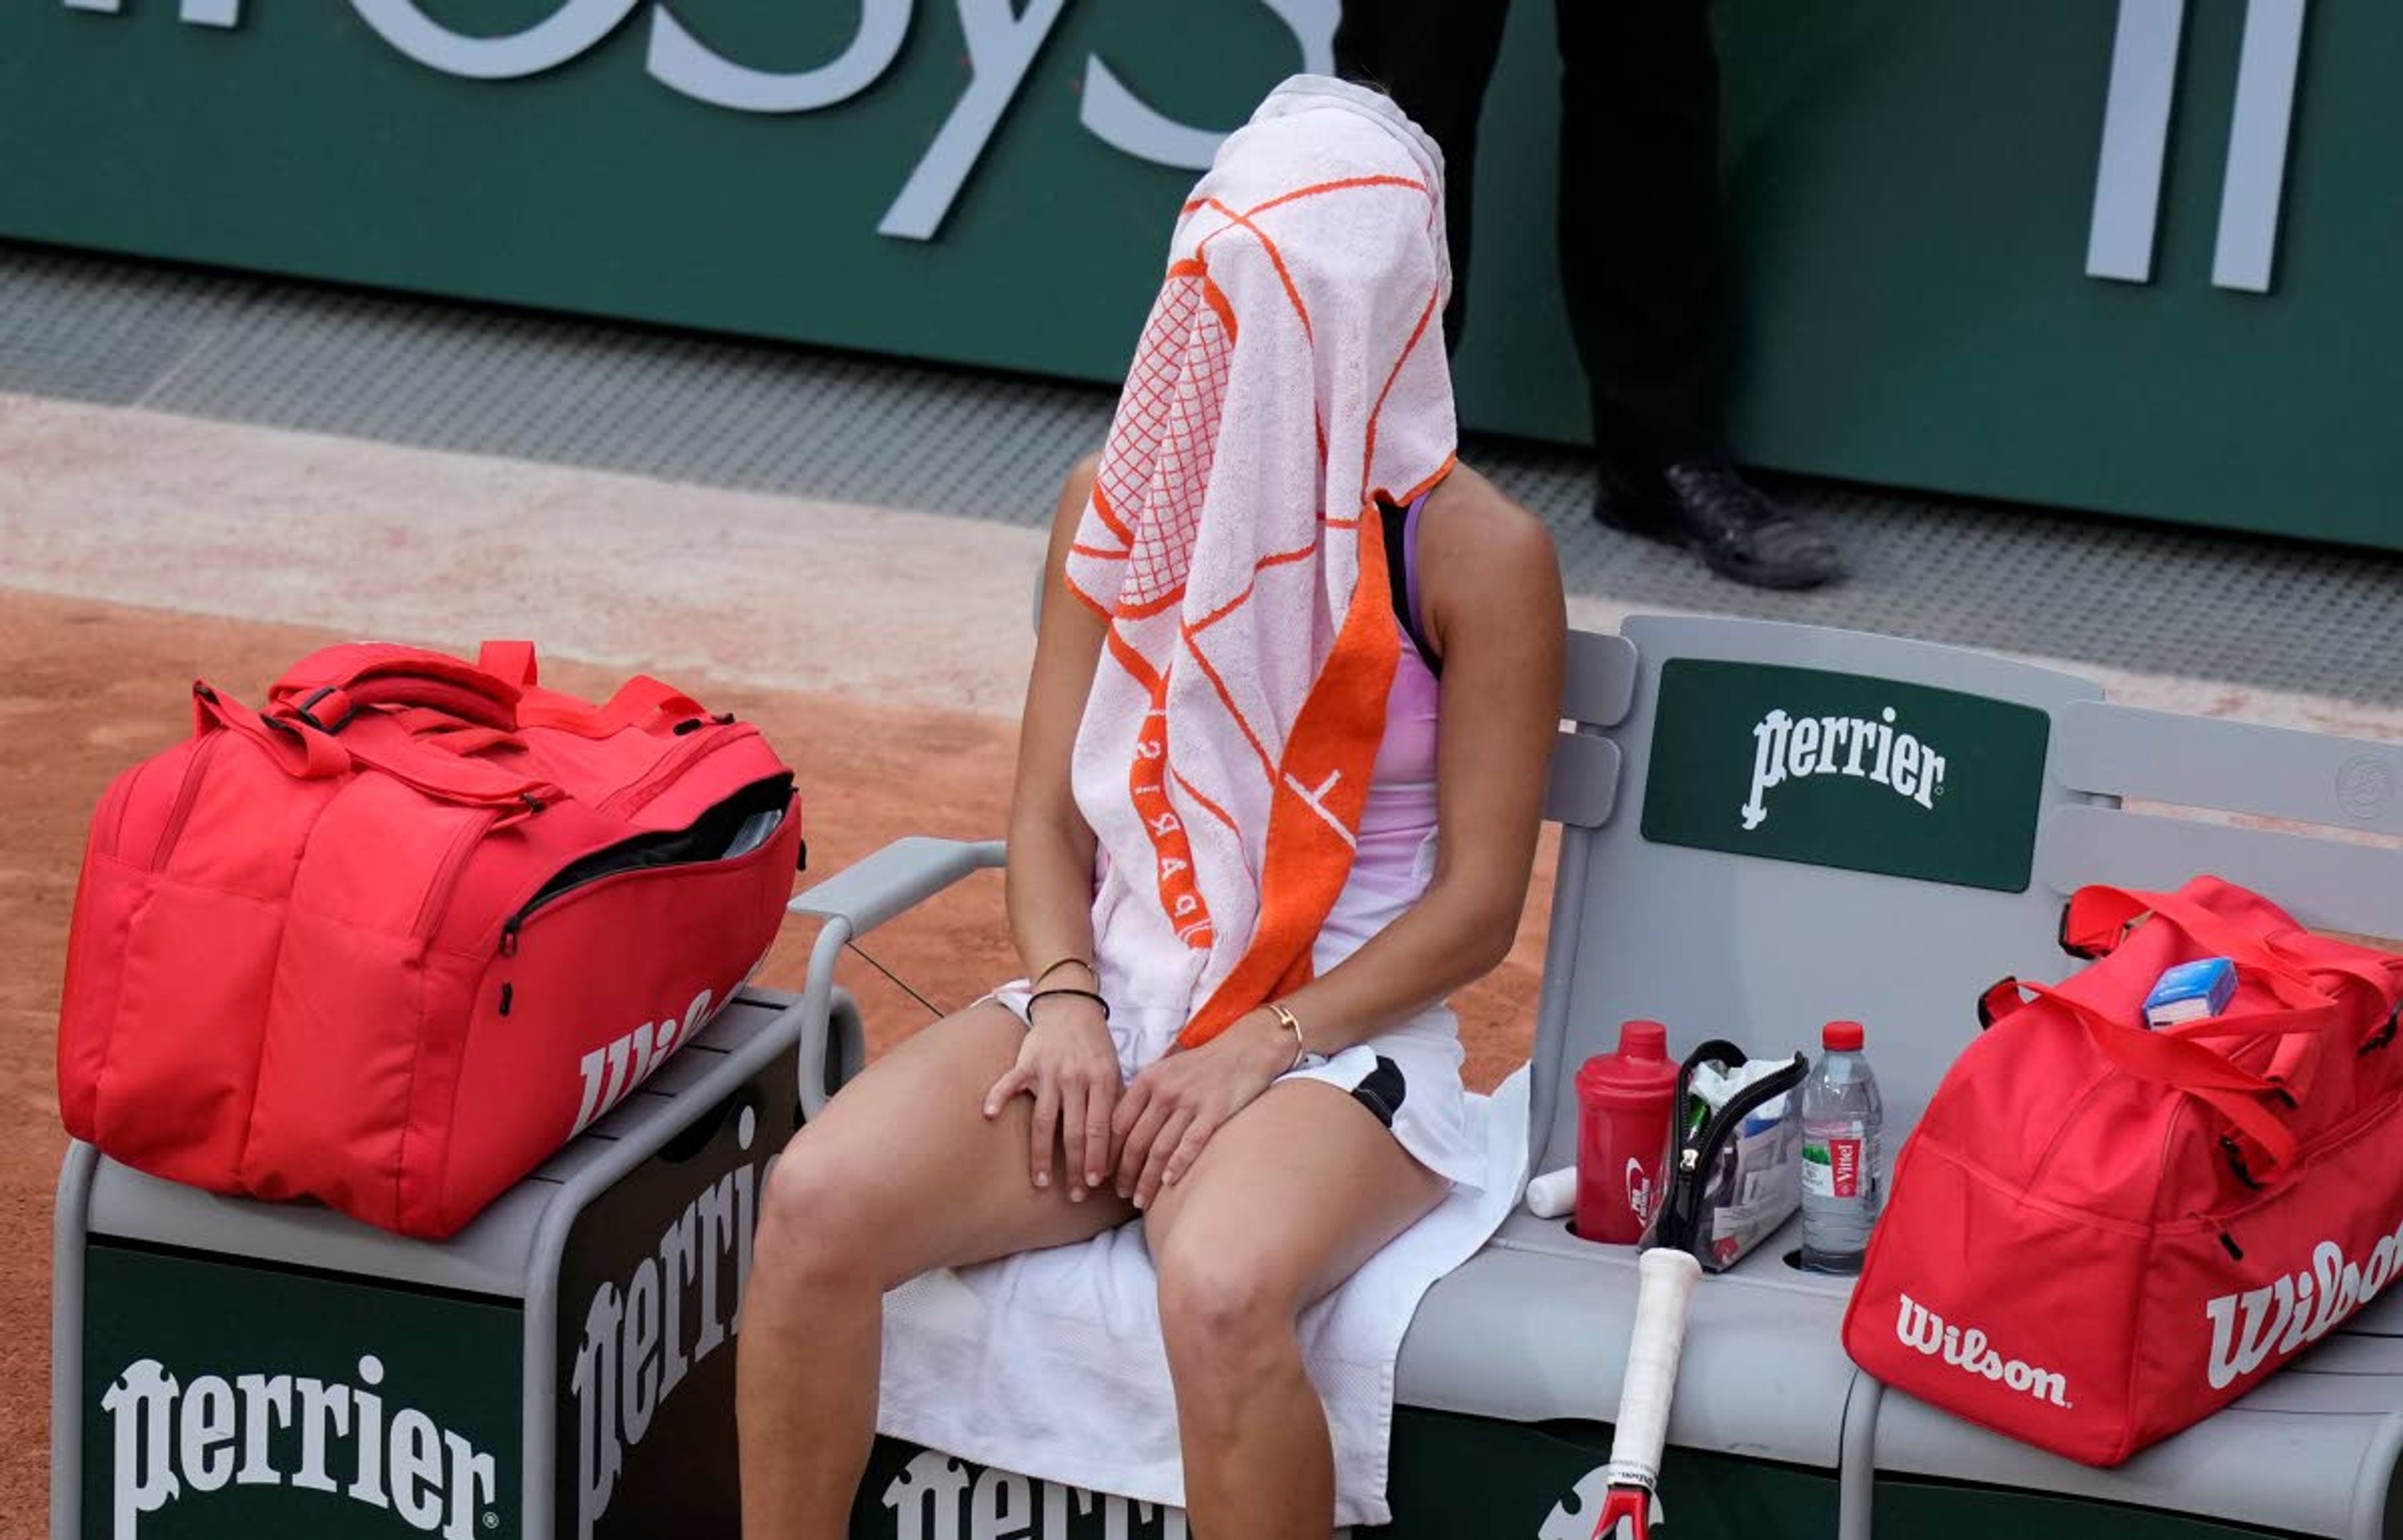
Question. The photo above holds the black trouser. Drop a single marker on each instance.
(1639, 192)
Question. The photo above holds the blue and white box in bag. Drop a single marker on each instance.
(2190, 992)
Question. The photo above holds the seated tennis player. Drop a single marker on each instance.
(1278, 787)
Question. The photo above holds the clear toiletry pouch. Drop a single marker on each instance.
(1735, 1172)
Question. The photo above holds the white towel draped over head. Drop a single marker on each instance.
(1291, 372)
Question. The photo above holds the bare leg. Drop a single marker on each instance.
(901, 1173)
(1286, 1202)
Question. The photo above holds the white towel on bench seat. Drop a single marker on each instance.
(1050, 1363)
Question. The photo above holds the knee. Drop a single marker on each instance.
(816, 1223)
(1221, 1311)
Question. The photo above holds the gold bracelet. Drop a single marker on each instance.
(1300, 1049)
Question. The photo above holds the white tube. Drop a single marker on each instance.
(1552, 1194)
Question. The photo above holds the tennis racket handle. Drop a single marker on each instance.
(1667, 1275)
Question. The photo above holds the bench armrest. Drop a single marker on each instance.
(895, 880)
(853, 902)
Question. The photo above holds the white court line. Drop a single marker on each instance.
(141, 507)
(374, 539)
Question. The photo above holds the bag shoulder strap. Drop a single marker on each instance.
(641, 702)
(510, 663)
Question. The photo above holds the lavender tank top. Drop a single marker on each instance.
(1397, 854)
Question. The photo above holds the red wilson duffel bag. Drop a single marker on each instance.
(396, 938)
(2100, 1234)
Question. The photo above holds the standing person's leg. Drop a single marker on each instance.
(1640, 223)
(901, 1172)
(1285, 1203)
(1642, 269)
(1434, 59)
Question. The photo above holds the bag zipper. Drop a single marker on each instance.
(453, 866)
(1684, 1184)
(114, 804)
(187, 793)
(637, 794)
(1743, 1103)
(513, 927)
(525, 803)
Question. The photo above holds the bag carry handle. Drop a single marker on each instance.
(2004, 999)
(2168, 1059)
(327, 689)
(310, 753)
(2097, 919)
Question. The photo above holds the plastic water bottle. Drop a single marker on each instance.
(1841, 1183)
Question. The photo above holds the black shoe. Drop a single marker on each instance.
(1704, 505)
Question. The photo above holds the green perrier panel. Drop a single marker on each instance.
(257, 1402)
(1839, 770)
(911, 1493)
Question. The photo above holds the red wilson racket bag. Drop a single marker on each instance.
(392, 941)
(2100, 1234)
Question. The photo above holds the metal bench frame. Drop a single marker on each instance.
(1716, 944)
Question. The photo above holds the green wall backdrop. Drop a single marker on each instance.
(1910, 186)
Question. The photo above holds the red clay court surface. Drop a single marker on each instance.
(91, 687)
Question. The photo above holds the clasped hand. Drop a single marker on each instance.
(1149, 1133)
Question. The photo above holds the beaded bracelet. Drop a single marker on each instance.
(1081, 994)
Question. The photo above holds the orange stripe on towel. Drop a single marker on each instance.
(1370, 458)
(1154, 683)
(1276, 260)
(1149, 607)
(1109, 516)
(1194, 267)
(1331, 755)
(1180, 893)
(1268, 765)
(1278, 559)
(1344, 184)
(1085, 599)
(1212, 807)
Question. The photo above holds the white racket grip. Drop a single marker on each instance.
(1667, 1275)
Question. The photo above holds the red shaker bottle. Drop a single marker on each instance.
(1626, 1101)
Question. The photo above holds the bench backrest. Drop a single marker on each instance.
(1695, 810)
(1734, 873)
(2171, 795)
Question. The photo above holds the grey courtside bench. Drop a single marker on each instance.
(1703, 885)
(561, 1367)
